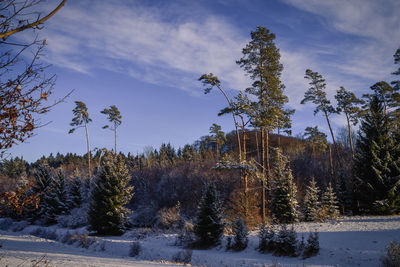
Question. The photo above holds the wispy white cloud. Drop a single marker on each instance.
(145, 44)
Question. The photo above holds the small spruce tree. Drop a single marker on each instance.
(75, 195)
(329, 203)
(240, 230)
(56, 199)
(283, 191)
(311, 248)
(209, 226)
(267, 238)
(43, 180)
(107, 215)
(311, 202)
(286, 242)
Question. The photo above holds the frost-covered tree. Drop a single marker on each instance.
(283, 191)
(329, 203)
(107, 214)
(286, 242)
(312, 246)
(75, 194)
(42, 184)
(55, 200)
(311, 202)
(267, 238)
(209, 226)
(377, 162)
(240, 231)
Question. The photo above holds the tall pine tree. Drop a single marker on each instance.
(107, 214)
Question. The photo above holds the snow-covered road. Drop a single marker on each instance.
(349, 241)
(28, 250)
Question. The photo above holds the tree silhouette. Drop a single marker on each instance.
(82, 119)
(114, 116)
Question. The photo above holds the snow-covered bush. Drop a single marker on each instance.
(144, 216)
(82, 240)
(183, 256)
(186, 236)
(240, 235)
(135, 249)
(44, 233)
(5, 223)
(19, 226)
(286, 242)
(267, 238)
(392, 256)
(170, 218)
(77, 218)
(311, 248)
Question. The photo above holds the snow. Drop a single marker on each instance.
(349, 241)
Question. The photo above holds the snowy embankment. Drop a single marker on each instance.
(350, 241)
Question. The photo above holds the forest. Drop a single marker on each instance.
(253, 177)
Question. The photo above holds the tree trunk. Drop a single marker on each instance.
(330, 160)
(234, 120)
(350, 137)
(263, 176)
(115, 138)
(245, 172)
(88, 148)
(333, 138)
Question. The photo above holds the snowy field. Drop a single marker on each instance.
(350, 241)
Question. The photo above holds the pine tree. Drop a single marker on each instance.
(317, 95)
(312, 246)
(348, 104)
(240, 239)
(311, 202)
(43, 180)
(82, 118)
(329, 203)
(261, 61)
(55, 200)
(209, 226)
(286, 242)
(114, 116)
(267, 238)
(107, 215)
(283, 191)
(75, 194)
(377, 162)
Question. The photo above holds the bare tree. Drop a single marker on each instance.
(24, 86)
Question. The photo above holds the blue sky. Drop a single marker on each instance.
(145, 57)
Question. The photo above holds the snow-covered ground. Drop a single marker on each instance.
(350, 241)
